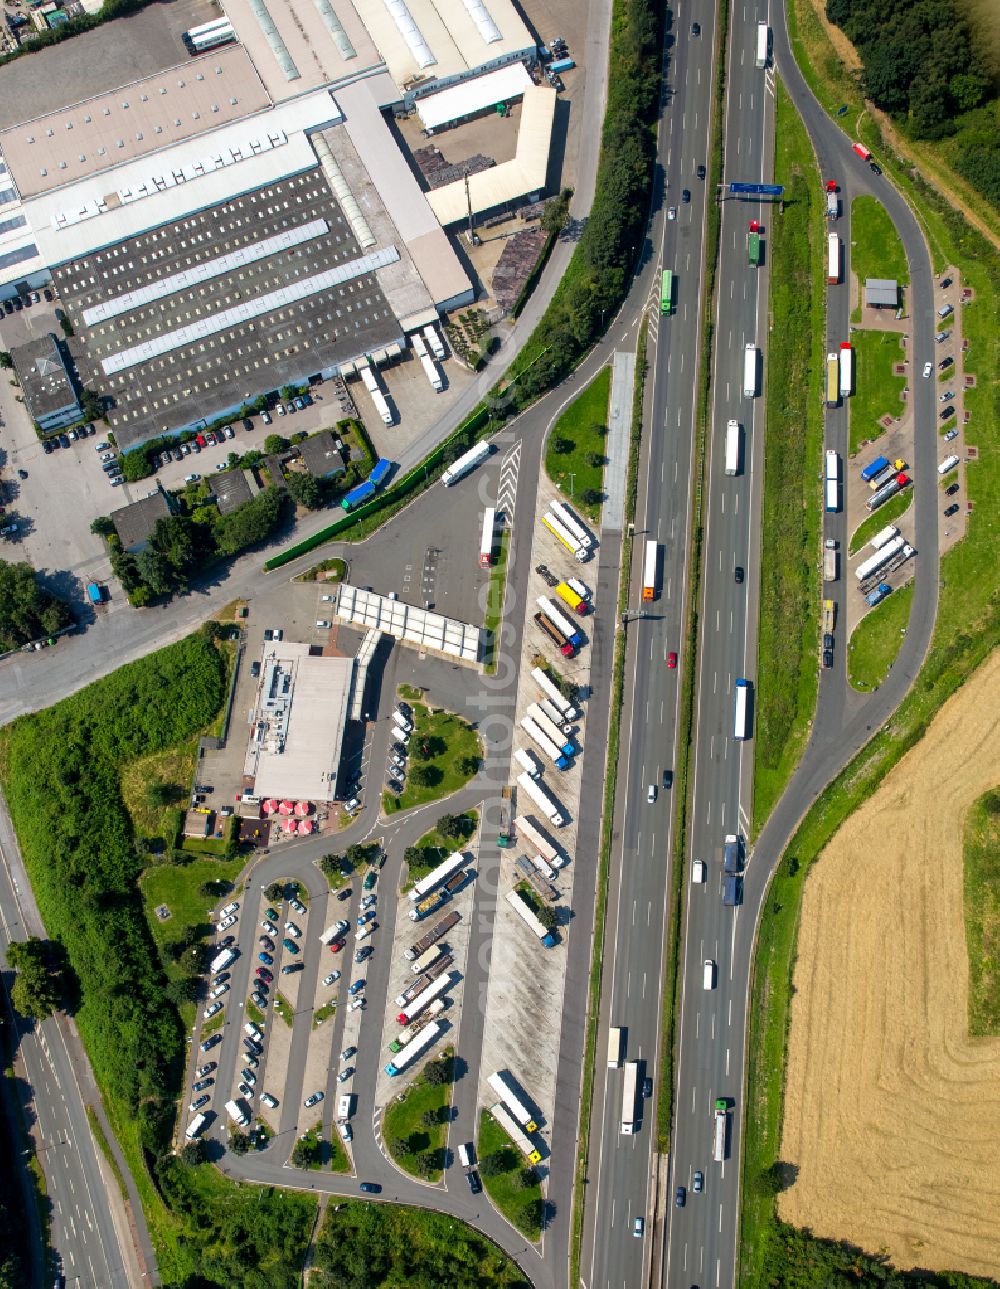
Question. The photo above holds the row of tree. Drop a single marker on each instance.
(27, 610)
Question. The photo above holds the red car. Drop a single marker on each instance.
(200, 440)
(336, 946)
(755, 226)
(672, 660)
(264, 974)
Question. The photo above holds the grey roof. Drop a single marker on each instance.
(45, 382)
(230, 489)
(320, 455)
(880, 290)
(135, 523)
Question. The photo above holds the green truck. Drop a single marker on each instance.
(753, 244)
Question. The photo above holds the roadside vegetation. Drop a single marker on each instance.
(893, 509)
(982, 914)
(876, 389)
(511, 1183)
(876, 247)
(575, 450)
(450, 833)
(415, 1123)
(877, 639)
(62, 772)
(363, 1245)
(789, 575)
(966, 629)
(27, 611)
(495, 600)
(443, 754)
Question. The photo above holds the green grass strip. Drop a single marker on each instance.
(574, 452)
(514, 1188)
(494, 602)
(981, 857)
(877, 639)
(893, 509)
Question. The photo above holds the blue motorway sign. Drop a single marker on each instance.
(769, 190)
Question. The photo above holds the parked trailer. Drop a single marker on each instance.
(616, 1046)
(556, 716)
(561, 65)
(846, 370)
(95, 593)
(732, 447)
(549, 727)
(413, 1049)
(882, 556)
(468, 461)
(562, 534)
(582, 590)
(741, 705)
(576, 602)
(382, 406)
(884, 535)
(829, 616)
(505, 1119)
(554, 634)
(763, 39)
(649, 571)
(720, 1126)
(434, 340)
(542, 800)
(486, 541)
(832, 201)
(630, 1088)
(429, 956)
(551, 692)
(380, 472)
(363, 492)
(431, 372)
(560, 620)
(506, 1088)
(408, 1034)
(435, 878)
(753, 245)
(878, 595)
(888, 489)
(750, 360)
(882, 477)
(430, 905)
(527, 916)
(415, 1006)
(832, 381)
(433, 935)
(538, 841)
(528, 762)
(578, 529)
(873, 467)
(832, 481)
(555, 754)
(196, 1127)
(862, 151)
(829, 566)
(832, 259)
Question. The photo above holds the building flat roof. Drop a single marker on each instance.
(506, 182)
(181, 102)
(297, 728)
(473, 96)
(419, 627)
(45, 382)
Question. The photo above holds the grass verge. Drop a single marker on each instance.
(877, 639)
(981, 854)
(105, 1148)
(876, 248)
(888, 514)
(323, 1013)
(283, 1008)
(415, 1124)
(574, 452)
(494, 601)
(967, 627)
(787, 678)
(253, 1012)
(453, 758)
(434, 846)
(513, 1188)
(876, 389)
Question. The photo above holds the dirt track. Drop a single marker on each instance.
(892, 1113)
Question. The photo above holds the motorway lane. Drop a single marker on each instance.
(701, 1238)
(82, 1231)
(621, 1164)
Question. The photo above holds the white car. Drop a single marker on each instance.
(219, 990)
(280, 409)
(332, 978)
(191, 478)
(231, 908)
(107, 456)
(928, 368)
(268, 1100)
(293, 930)
(698, 871)
(672, 212)
(354, 1006)
(323, 625)
(345, 1130)
(228, 922)
(651, 794)
(297, 907)
(212, 1010)
(265, 416)
(315, 1099)
(227, 430)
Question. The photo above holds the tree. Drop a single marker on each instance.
(195, 1152)
(92, 405)
(184, 989)
(306, 1153)
(590, 497)
(275, 892)
(526, 1178)
(398, 1147)
(468, 766)
(239, 1143)
(173, 538)
(437, 1073)
(356, 855)
(250, 523)
(421, 776)
(275, 443)
(454, 827)
(422, 751)
(425, 1163)
(102, 526)
(562, 447)
(430, 1118)
(330, 865)
(595, 460)
(154, 571)
(38, 986)
(304, 490)
(493, 1165)
(6, 362)
(159, 794)
(27, 611)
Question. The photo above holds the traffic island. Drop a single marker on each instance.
(514, 1188)
(443, 752)
(415, 1125)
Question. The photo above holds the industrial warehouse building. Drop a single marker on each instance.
(244, 219)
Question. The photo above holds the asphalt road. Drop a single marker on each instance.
(703, 1238)
(621, 1165)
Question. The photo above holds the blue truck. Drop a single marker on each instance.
(561, 65)
(365, 491)
(380, 472)
(873, 468)
(95, 593)
(878, 595)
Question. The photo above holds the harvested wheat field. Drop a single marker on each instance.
(892, 1113)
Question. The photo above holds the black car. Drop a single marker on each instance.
(951, 490)
(738, 574)
(680, 1196)
(255, 669)
(874, 167)
(345, 894)
(701, 172)
(371, 1188)
(225, 943)
(696, 29)
(827, 657)
(828, 641)
(647, 1089)
(47, 446)
(685, 196)
(947, 411)
(952, 510)
(945, 283)
(475, 1185)
(64, 440)
(946, 362)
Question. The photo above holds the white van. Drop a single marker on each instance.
(251, 1029)
(949, 463)
(344, 1106)
(709, 974)
(698, 871)
(196, 1126)
(467, 1154)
